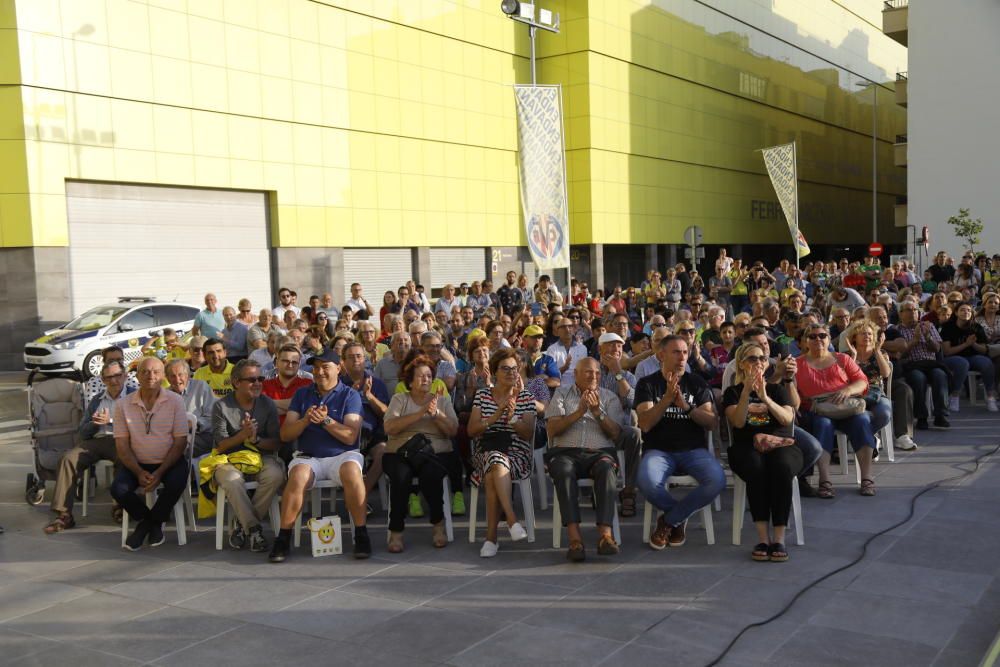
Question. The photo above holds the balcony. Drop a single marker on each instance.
(895, 16)
(900, 212)
(899, 150)
(901, 82)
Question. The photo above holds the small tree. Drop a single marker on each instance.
(966, 228)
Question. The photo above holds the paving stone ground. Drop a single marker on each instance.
(927, 593)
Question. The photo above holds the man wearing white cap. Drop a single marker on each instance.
(621, 383)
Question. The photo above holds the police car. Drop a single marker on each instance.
(128, 324)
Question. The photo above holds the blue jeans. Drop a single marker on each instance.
(977, 362)
(810, 447)
(657, 466)
(881, 411)
(959, 367)
(858, 429)
(917, 379)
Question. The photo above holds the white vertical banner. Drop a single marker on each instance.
(781, 167)
(542, 171)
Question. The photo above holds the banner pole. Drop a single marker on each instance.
(795, 241)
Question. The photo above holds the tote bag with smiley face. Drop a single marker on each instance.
(326, 536)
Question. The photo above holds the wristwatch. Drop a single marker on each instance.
(601, 415)
(619, 377)
(327, 421)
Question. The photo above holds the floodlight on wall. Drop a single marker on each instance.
(510, 7)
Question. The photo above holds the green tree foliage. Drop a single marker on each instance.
(966, 228)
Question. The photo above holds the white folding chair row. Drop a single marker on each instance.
(972, 382)
(557, 527)
(449, 527)
(220, 513)
(540, 478)
(186, 499)
(528, 505)
(739, 510)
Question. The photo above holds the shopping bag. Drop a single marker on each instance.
(326, 537)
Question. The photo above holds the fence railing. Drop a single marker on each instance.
(889, 5)
(900, 76)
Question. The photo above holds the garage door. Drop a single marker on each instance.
(457, 265)
(173, 244)
(378, 270)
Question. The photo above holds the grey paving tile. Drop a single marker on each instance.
(630, 655)
(650, 579)
(110, 571)
(930, 623)
(66, 654)
(14, 646)
(82, 617)
(249, 600)
(262, 647)
(334, 614)
(938, 551)
(501, 598)
(812, 645)
(430, 634)
(531, 645)
(325, 573)
(964, 508)
(183, 581)
(953, 658)
(617, 617)
(27, 556)
(26, 597)
(921, 583)
(159, 633)
(414, 584)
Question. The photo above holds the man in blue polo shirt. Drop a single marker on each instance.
(325, 420)
(545, 365)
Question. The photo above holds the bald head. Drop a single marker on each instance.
(150, 373)
(587, 374)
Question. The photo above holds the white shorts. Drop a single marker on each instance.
(328, 468)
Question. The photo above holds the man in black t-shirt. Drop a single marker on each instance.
(675, 409)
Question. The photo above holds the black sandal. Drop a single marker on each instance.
(777, 553)
(761, 553)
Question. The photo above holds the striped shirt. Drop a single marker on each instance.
(524, 407)
(151, 433)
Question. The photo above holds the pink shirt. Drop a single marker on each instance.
(813, 382)
(151, 433)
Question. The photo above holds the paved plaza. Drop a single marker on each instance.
(928, 593)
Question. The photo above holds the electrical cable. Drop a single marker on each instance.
(864, 551)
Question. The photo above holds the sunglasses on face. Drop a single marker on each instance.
(657, 325)
(818, 336)
(685, 331)
(755, 358)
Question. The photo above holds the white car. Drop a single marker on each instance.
(127, 324)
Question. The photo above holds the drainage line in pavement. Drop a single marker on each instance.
(864, 551)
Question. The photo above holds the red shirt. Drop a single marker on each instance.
(274, 390)
(813, 382)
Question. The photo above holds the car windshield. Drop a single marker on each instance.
(95, 318)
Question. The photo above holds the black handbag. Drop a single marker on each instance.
(496, 441)
(417, 448)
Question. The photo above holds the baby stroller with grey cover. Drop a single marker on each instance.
(55, 408)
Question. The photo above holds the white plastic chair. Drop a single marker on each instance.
(220, 513)
(706, 511)
(557, 527)
(972, 381)
(109, 468)
(540, 478)
(185, 504)
(449, 527)
(527, 503)
(739, 511)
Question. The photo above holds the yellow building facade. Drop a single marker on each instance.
(390, 124)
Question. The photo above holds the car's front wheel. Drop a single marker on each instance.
(92, 364)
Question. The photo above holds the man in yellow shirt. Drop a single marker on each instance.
(217, 370)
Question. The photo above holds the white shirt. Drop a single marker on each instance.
(279, 311)
(559, 353)
(359, 304)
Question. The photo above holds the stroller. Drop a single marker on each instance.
(55, 408)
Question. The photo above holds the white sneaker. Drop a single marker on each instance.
(517, 532)
(953, 404)
(991, 405)
(905, 443)
(489, 549)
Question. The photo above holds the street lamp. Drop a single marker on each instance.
(874, 156)
(524, 12)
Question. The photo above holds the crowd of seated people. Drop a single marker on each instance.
(776, 363)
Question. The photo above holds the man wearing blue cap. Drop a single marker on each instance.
(325, 420)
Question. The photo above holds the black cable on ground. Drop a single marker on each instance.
(864, 551)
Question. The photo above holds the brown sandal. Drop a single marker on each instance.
(867, 487)
(576, 553)
(607, 546)
(60, 523)
(825, 490)
(626, 501)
